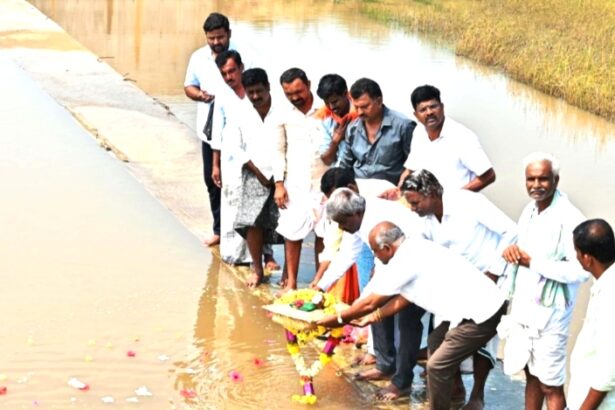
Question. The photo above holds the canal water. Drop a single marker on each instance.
(149, 42)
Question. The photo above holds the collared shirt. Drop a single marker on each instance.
(261, 141)
(376, 210)
(473, 227)
(330, 121)
(455, 157)
(203, 73)
(547, 238)
(592, 363)
(303, 166)
(384, 158)
(439, 280)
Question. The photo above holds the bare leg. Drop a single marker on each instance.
(212, 240)
(292, 254)
(482, 367)
(254, 238)
(554, 396)
(534, 396)
(319, 246)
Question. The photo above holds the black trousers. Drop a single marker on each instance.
(397, 340)
(212, 189)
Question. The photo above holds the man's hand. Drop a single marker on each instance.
(205, 96)
(340, 131)
(392, 194)
(513, 254)
(216, 176)
(280, 196)
(314, 285)
(364, 321)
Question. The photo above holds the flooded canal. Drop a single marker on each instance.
(88, 235)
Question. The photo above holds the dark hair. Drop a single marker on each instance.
(336, 177)
(423, 182)
(215, 21)
(254, 76)
(292, 74)
(595, 237)
(424, 93)
(365, 85)
(331, 84)
(224, 56)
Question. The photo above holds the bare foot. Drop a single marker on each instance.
(474, 404)
(271, 265)
(365, 359)
(390, 393)
(212, 240)
(372, 374)
(254, 279)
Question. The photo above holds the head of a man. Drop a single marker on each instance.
(541, 178)
(230, 65)
(346, 207)
(217, 32)
(423, 192)
(367, 99)
(384, 239)
(595, 245)
(337, 177)
(296, 88)
(332, 89)
(428, 108)
(256, 84)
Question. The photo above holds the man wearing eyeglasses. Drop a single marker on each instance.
(445, 147)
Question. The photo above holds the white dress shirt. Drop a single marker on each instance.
(547, 238)
(261, 141)
(592, 364)
(455, 157)
(473, 227)
(438, 280)
(377, 210)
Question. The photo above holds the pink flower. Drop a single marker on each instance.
(258, 362)
(131, 353)
(298, 303)
(3, 390)
(188, 393)
(236, 376)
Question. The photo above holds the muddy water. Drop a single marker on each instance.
(100, 283)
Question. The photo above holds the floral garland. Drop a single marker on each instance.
(297, 334)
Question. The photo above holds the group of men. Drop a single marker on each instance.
(379, 190)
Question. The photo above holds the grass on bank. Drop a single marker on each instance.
(565, 48)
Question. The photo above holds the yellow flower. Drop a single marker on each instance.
(324, 358)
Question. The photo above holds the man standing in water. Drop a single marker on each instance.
(378, 142)
(201, 84)
(543, 285)
(298, 195)
(445, 147)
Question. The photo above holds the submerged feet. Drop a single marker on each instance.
(365, 359)
(372, 374)
(474, 404)
(391, 392)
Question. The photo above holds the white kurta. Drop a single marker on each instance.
(592, 364)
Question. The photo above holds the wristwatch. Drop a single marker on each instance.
(339, 318)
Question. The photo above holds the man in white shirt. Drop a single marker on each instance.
(256, 143)
(421, 272)
(449, 150)
(592, 364)
(469, 224)
(397, 339)
(298, 195)
(543, 283)
(202, 82)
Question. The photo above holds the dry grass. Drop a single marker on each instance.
(565, 48)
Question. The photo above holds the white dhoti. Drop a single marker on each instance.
(303, 214)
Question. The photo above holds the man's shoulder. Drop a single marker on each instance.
(458, 130)
(397, 117)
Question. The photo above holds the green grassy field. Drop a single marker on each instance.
(565, 48)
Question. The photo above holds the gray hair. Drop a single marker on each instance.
(344, 202)
(388, 235)
(423, 182)
(540, 157)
